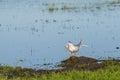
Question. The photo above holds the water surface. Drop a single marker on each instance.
(33, 33)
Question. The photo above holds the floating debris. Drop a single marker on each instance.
(46, 21)
(31, 51)
(21, 60)
(60, 33)
(54, 20)
(36, 20)
(52, 8)
(45, 64)
(117, 47)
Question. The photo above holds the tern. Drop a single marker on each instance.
(74, 48)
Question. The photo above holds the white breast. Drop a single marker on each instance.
(70, 47)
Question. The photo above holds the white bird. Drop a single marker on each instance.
(74, 48)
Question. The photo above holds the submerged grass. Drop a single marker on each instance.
(111, 72)
(87, 7)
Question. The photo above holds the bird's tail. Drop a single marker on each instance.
(80, 44)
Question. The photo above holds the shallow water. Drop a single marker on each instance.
(33, 33)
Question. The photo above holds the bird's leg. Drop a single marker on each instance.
(73, 54)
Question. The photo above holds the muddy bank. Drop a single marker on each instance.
(81, 63)
(76, 63)
(86, 63)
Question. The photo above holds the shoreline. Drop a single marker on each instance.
(73, 63)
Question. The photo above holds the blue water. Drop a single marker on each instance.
(31, 34)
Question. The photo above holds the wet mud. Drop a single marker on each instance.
(87, 63)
